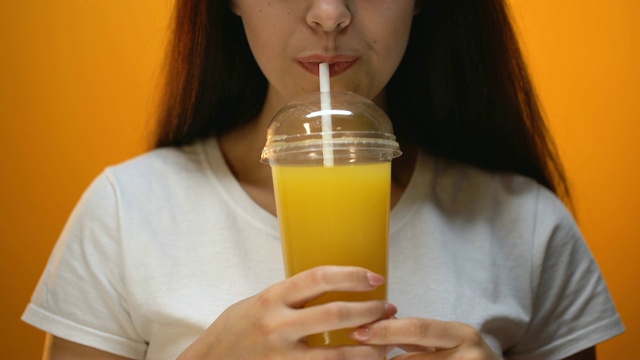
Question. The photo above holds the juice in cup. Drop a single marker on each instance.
(333, 212)
(334, 215)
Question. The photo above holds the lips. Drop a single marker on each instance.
(337, 64)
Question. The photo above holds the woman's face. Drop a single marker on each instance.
(362, 40)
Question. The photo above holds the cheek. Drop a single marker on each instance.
(392, 45)
(268, 33)
(391, 30)
(258, 42)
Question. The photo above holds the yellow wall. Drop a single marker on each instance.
(78, 79)
(584, 57)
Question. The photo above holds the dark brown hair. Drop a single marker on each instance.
(462, 91)
(212, 83)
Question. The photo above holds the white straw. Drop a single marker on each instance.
(325, 106)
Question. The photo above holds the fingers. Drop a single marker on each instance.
(274, 322)
(340, 315)
(427, 334)
(427, 339)
(311, 284)
(291, 321)
(299, 323)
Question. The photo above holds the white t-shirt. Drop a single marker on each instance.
(160, 245)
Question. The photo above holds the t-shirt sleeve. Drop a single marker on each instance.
(81, 295)
(572, 308)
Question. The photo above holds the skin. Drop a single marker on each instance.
(281, 33)
(370, 37)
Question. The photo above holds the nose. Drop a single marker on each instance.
(329, 15)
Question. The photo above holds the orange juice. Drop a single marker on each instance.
(334, 216)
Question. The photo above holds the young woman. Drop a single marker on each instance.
(176, 253)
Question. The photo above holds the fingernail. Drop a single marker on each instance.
(362, 334)
(375, 279)
(390, 309)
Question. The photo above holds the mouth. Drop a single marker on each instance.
(337, 64)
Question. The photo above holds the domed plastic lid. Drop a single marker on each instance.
(352, 130)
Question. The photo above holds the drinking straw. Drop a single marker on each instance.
(325, 106)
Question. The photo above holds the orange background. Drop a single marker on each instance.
(78, 81)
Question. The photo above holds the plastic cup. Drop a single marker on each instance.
(334, 214)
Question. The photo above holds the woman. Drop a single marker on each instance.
(176, 253)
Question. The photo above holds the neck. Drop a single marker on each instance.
(241, 149)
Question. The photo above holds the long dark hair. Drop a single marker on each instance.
(212, 82)
(462, 91)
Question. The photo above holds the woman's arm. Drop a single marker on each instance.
(274, 323)
(56, 348)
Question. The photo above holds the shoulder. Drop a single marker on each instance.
(158, 179)
(143, 181)
(162, 161)
(162, 169)
(505, 204)
(467, 190)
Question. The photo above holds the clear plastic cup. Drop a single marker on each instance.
(333, 212)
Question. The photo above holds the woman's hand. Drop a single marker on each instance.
(273, 324)
(427, 339)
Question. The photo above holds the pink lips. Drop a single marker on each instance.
(337, 64)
